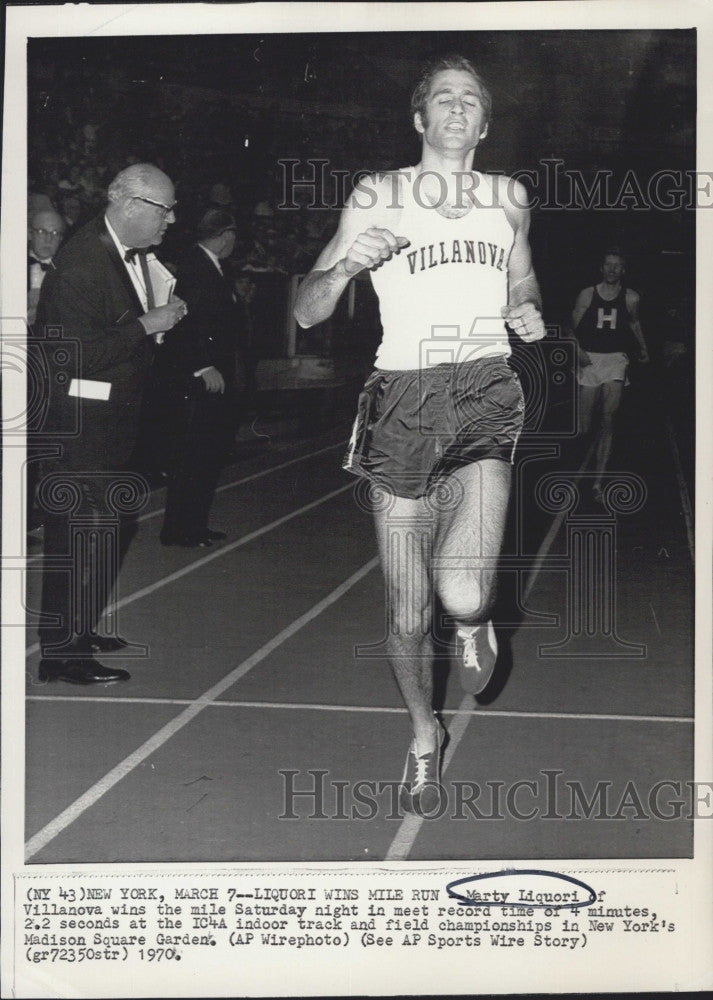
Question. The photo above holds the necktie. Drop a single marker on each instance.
(130, 256)
(44, 264)
(150, 301)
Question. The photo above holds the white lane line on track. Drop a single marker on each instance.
(408, 831)
(411, 824)
(551, 535)
(682, 488)
(256, 475)
(155, 742)
(229, 486)
(301, 706)
(216, 554)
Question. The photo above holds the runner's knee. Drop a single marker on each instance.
(467, 597)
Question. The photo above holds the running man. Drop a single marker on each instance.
(440, 415)
(604, 319)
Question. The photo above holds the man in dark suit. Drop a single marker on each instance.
(98, 296)
(44, 237)
(45, 232)
(195, 370)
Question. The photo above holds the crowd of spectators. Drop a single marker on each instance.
(250, 161)
(70, 175)
(95, 109)
(82, 132)
(269, 240)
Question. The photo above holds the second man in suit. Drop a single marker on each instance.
(196, 381)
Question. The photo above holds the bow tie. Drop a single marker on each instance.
(135, 252)
(44, 264)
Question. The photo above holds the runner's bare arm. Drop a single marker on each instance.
(523, 312)
(632, 305)
(584, 300)
(361, 241)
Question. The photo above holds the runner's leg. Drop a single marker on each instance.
(588, 395)
(405, 537)
(611, 399)
(468, 541)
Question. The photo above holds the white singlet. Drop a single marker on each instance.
(440, 298)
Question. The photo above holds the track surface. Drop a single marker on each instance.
(256, 678)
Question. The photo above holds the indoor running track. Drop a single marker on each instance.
(251, 684)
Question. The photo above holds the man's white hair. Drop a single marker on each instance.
(133, 181)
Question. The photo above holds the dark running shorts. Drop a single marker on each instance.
(414, 427)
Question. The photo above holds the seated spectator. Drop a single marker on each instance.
(45, 234)
(71, 208)
(221, 197)
(265, 254)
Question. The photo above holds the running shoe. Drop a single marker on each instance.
(477, 656)
(421, 783)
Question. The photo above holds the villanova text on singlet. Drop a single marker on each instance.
(604, 328)
(441, 298)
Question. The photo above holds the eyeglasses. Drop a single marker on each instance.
(167, 209)
(46, 232)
